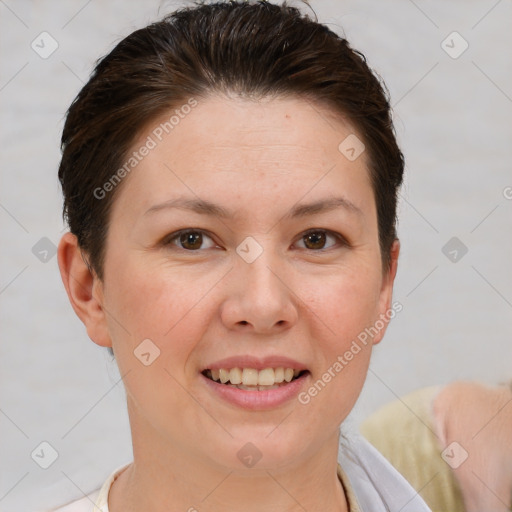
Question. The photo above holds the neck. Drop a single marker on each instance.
(165, 478)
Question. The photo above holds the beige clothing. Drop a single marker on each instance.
(403, 431)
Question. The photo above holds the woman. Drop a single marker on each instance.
(230, 177)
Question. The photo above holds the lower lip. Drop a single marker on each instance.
(258, 400)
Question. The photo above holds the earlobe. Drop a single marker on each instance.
(84, 289)
(386, 293)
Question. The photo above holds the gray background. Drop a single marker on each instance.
(453, 118)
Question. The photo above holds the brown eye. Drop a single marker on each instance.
(190, 240)
(318, 240)
(315, 240)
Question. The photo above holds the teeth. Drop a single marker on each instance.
(254, 388)
(235, 376)
(266, 377)
(250, 378)
(223, 375)
(266, 388)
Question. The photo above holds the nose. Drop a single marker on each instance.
(260, 297)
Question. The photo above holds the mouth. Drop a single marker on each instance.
(252, 379)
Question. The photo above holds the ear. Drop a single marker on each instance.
(84, 289)
(386, 293)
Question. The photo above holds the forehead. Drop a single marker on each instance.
(242, 149)
(290, 125)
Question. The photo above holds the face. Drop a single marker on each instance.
(244, 239)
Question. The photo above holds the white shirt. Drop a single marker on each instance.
(370, 482)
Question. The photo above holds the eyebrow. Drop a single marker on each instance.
(205, 207)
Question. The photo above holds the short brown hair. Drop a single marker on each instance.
(254, 49)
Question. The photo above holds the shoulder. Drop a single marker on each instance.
(407, 409)
(404, 430)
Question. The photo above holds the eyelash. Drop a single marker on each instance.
(173, 236)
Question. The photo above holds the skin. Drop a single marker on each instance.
(259, 159)
(479, 418)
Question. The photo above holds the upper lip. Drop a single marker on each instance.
(255, 362)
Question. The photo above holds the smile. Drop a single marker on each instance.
(256, 396)
(251, 379)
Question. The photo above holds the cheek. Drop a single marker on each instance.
(157, 305)
(347, 306)
(164, 308)
(347, 303)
